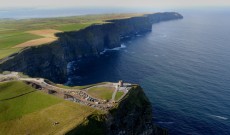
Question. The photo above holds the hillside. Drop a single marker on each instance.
(24, 110)
(22, 106)
(16, 32)
(132, 115)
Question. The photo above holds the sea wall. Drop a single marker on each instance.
(50, 60)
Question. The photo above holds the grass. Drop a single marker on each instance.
(74, 27)
(119, 95)
(7, 52)
(13, 39)
(13, 89)
(9, 40)
(35, 113)
(13, 32)
(21, 105)
(94, 124)
(77, 87)
(104, 93)
(134, 98)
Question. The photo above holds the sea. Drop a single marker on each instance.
(183, 67)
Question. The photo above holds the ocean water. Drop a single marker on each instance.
(184, 68)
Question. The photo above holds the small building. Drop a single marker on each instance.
(120, 83)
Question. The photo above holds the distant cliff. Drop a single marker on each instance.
(50, 60)
(132, 116)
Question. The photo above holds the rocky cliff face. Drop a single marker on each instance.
(50, 61)
(132, 116)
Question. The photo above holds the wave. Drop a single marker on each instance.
(219, 117)
(114, 49)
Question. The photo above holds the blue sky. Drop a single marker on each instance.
(112, 3)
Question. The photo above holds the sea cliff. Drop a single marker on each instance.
(131, 116)
(51, 60)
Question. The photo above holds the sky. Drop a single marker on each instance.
(112, 3)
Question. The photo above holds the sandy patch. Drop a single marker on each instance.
(35, 42)
(45, 33)
(48, 34)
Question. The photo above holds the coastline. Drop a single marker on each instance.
(91, 42)
(77, 45)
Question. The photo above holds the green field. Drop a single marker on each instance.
(77, 26)
(13, 89)
(119, 95)
(6, 52)
(104, 93)
(78, 87)
(36, 112)
(9, 39)
(13, 32)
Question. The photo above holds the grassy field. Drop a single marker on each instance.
(14, 32)
(36, 112)
(78, 87)
(9, 39)
(119, 95)
(78, 26)
(104, 93)
(13, 89)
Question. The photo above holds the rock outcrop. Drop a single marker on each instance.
(50, 60)
(131, 116)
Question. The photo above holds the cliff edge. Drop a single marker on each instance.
(132, 115)
(51, 60)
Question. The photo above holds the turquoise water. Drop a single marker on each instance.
(184, 68)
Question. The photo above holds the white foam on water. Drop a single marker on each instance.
(114, 49)
(219, 117)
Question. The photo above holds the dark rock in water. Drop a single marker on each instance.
(50, 60)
